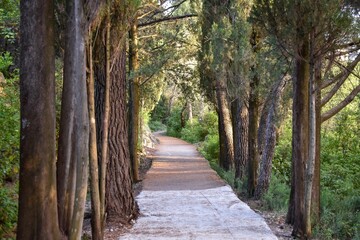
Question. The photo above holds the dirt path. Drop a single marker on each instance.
(183, 198)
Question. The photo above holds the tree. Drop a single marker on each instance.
(213, 73)
(37, 193)
(267, 150)
(119, 199)
(68, 193)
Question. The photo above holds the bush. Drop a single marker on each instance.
(277, 197)
(157, 126)
(210, 147)
(340, 218)
(8, 210)
(10, 129)
(174, 123)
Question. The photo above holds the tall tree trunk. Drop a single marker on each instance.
(253, 154)
(300, 139)
(190, 112)
(225, 127)
(96, 226)
(73, 155)
(310, 162)
(134, 101)
(316, 181)
(254, 105)
(270, 139)
(120, 201)
(105, 118)
(240, 128)
(37, 189)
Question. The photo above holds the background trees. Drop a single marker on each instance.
(200, 67)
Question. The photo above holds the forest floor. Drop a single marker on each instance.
(181, 197)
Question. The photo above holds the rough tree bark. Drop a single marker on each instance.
(120, 201)
(37, 194)
(225, 127)
(253, 153)
(270, 139)
(300, 139)
(134, 101)
(240, 128)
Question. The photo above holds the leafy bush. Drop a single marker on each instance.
(8, 210)
(277, 196)
(157, 126)
(6, 61)
(174, 123)
(9, 128)
(281, 165)
(210, 147)
(340, 217)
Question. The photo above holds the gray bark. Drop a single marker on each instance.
(270, 138)
(73, 154)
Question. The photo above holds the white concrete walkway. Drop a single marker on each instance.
(183, 198)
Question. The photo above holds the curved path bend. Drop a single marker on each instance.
(183, 198)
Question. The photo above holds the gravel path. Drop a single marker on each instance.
(183, 198)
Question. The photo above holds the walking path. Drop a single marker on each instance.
(183, 198)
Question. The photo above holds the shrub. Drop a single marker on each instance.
(210, 147)
(340, 218)
(8, 210)
(157, 126)
(174, 123)
(277, 196)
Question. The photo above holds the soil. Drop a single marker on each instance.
(275, 220)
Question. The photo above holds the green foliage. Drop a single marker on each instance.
(9, 19)
(8, 210)
(9, 154)
(174, 123)
(198, 130)
(6, 61)
(157, 126)
(282, 158)
(9, 128)
(210, 147)
(340, 218)
(277, 196)
(160, 111)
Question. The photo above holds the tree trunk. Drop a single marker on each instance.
(310, 164)
(316, 181)
(96, 226)
(37, 188)
(253, 154)
(300, 139)
(240, 128)
(73, 155)
(225, 127)
(270, 139)
(190, 117)
(120, 201)
(134, 101)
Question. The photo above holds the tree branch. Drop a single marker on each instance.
(174, 18)
(327, 115)
(347, 70)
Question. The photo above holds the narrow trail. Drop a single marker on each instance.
(183, 198)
